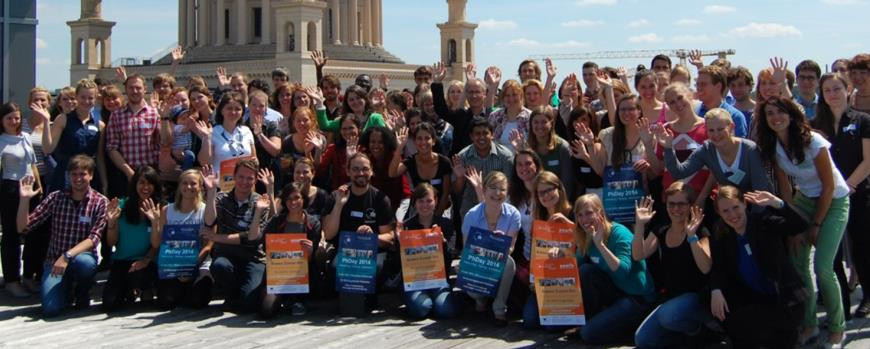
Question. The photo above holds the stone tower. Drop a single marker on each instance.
(91, 42)
(457, 40)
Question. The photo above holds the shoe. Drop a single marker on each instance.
(838, 345)
(17, 290)
(297, 309)
(863, 310)
(32, 285)
(805, 338)
(500, 322)
(82, 303)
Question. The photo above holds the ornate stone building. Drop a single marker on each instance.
(255, 36)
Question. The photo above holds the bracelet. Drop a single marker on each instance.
(692, 239)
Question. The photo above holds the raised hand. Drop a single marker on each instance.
(401, 138)
(584, 133)
(439, 72)
(695, 59)
(121, 74)
(517, 139)
(177, 53)
(265, 176)
(384, 81)
(643, 211)
(396, 119)
(312, 142)
(458, 167)
(352, 145)
(579, 151)
(641, 165)
(470, 72)
(551, 68)
(762, 198)
(202, 129)
(43, 113)
(154, 100)
(622, 73)
(780, 69)
(604, 79)
(341, 194)
(264, 203)
(209, 177)
(474, 177)
(492, 77)
(256, 122)
(223, 79)
(597, 232)
(163, 107)
(113, 211)
(643, 126)
(25, 187)
(319, 58)
(315, 94)
(664, 136)
(149, 209)
(696, 216)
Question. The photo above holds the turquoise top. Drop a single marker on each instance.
(334, 125)
(134, 240)
(631, 277)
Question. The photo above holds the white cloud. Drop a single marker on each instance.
(764, 30)
(843, 2)
(497, 24)
(523, 42)
(570, 44)
(41, 43)
(718, 9)
(685, 22)
(582, 23)
(690, 39)
(645, 38)
(638, 23)
(595, 2)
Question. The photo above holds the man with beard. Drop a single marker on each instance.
(364, 209)
(78, 216)
(237, 263)
(331, 87)
(133, 137)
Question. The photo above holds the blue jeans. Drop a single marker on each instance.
(242, 281)
(80, 270)
(669, 324)
(611, 315)
(439, 301)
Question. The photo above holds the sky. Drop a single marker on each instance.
(512, 30)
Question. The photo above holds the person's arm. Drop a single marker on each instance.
(24, 219)
(863, 170)
(780, 66)
(492, 78)
(157, 229)
(825, 171)
(166, 128)
(204, 132)
(692, 165)
(210, 181)
(619, 259)
(52, 134)
(444, 201)
(333, 219)
(319, 60)
(782, 181)
(261, 207)
(740, 127)
(550, 85)
(326, 124)
(397, 167)
(610, 103)
(386, 235)
(757, 174)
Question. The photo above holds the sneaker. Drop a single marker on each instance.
(297, 309)
(836, 345)
(32, 285)
(862, 310)
(17, 290)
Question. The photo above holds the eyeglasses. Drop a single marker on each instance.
(681, 204)
(360, 169)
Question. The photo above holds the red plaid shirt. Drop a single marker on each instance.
(135, 135)
(71, 221)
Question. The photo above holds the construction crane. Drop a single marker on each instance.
(682, 54)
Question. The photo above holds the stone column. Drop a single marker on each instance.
(352, 26)
(266, 23)
(182, 22)
(191, 24)
(336, 19)
(367, 23)
(203, 25)
(377, 20)
(241, 22)
(220, 39)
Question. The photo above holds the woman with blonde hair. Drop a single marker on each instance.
(618, 291)
(456, 95)
(65, 103)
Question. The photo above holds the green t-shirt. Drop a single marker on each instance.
(134, 240)
(334, 125)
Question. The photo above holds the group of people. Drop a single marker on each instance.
(695, 206)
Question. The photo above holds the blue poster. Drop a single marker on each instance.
(356, 263)
(622, 187)
(179, 251)
(483, 261)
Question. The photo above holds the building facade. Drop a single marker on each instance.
(18, 49)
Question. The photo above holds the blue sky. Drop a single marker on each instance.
(511, 30)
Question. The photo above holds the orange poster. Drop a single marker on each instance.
(545, 236)
(557, 288)
(422, 255)
(286, 264)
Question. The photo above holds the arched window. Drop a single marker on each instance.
(291, 37)
(468, 57)
(98, 49)
(451, 52)
(80, 52)
(312, 36)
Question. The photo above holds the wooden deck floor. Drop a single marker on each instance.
(22, 326)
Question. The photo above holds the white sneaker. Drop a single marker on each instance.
(839, 345)
(17, 290)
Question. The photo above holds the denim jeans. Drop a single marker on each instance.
(80, 270)
(499, 303)
(611, 315)
(672, 321)
(439, 301)
(242, 281)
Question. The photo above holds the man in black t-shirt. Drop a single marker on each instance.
(361, 208)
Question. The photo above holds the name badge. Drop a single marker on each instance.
(356, 214)
(693, 146)
(748, 250)
(93, 128)
(736, 176)
(84, 219)
(585, 170)
(435, 181)
(595, 259)
(553, 163)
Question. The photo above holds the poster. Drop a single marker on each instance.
(422, 255)
(286, 264)
(179, 251)
(545, 236)
(622, 187)
(356, 263)
(483, 261)
(557, 290)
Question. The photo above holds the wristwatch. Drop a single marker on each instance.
(68, 256)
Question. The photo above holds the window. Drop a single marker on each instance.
(226, 24)
(258, 22)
